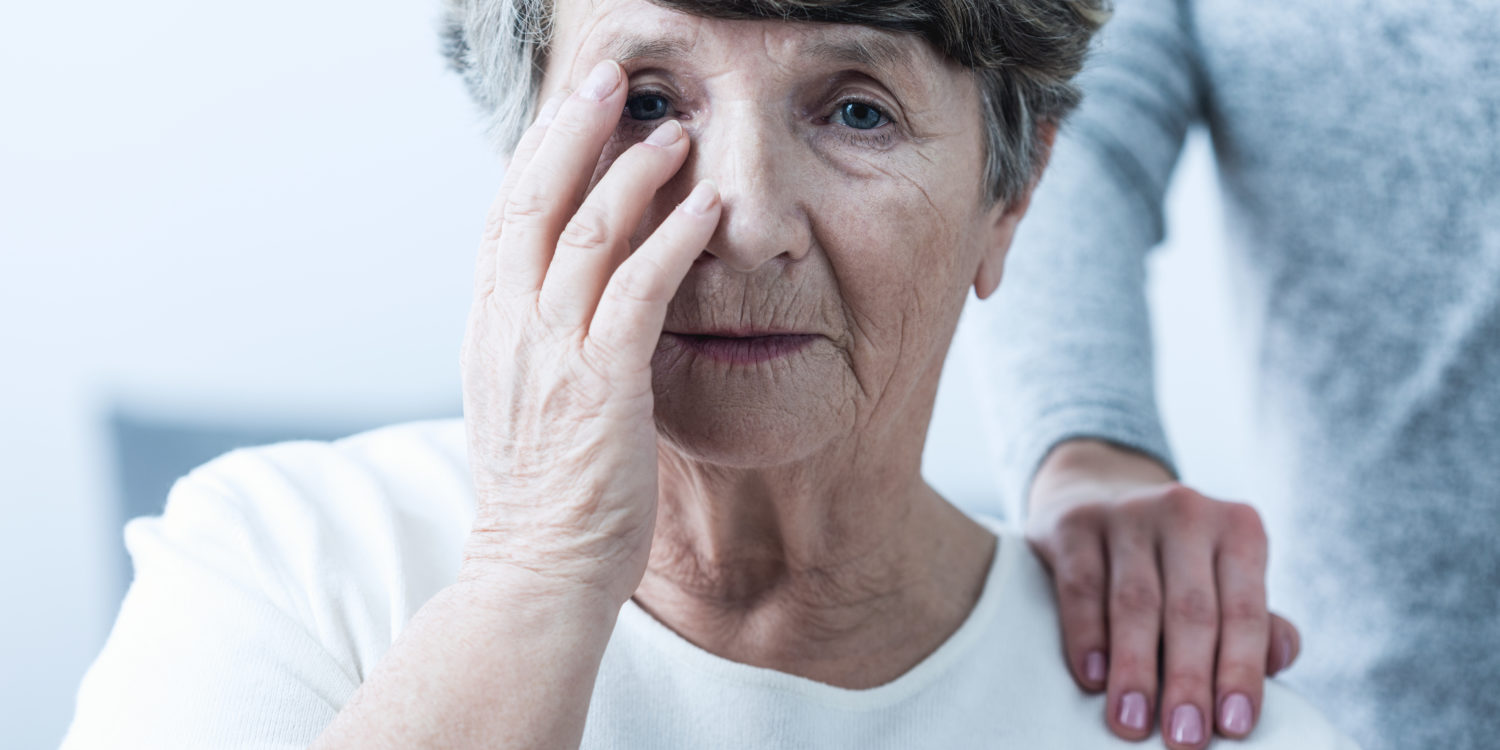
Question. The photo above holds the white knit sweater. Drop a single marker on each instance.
(278, 576)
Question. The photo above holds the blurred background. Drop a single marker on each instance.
(225, 225)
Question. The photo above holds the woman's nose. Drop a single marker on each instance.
(761, 186)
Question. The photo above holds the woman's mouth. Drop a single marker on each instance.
(743, 349)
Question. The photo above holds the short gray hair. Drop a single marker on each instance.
(1024, 55)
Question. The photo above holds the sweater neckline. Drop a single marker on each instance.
(656, 635)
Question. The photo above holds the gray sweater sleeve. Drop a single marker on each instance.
(1064, 347)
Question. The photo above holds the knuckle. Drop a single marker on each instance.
(1184, 502)
(1081, 586)
(636, 281)
(1194, 608)
(1245, 520)
(524, 204)
(494, 222)
(1188, 681)
(1236, 675)
(1136, 598)
(1133, 664)
(1246, 610)
(589, 228)
(559, 319)
(1244, 538)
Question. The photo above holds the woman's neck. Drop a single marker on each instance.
(850, 580)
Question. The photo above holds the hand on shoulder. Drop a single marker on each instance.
(1143, 565)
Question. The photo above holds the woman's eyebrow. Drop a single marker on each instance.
(871, 51)
(623, 49)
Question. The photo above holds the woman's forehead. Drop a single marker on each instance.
(635, 30)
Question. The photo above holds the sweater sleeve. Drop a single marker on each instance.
(205, 652)
(1063, 350)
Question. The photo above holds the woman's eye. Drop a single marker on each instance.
(646, 107)
(861, 116)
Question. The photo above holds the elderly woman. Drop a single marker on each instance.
(712, 304)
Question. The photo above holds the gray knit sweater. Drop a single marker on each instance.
(1358, 142)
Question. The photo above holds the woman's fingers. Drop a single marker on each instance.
(1076, 556)
(1135, 600)
(1245, 623)
(633, 308)
(1186, 578)
(1190, 619)
(484, 270)
(597, 238)
(552, 183)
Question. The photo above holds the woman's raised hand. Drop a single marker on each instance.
(557, 355)
(562, 445)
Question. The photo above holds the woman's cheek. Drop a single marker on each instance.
(852, 160)
(869, 249)
(902, 247)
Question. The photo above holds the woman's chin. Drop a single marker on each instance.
(739, 440)
(747, 421)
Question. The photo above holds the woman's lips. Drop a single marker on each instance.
(743, 350)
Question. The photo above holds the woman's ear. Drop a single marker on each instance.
(1004, 218)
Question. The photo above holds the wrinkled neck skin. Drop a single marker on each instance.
(843, 567)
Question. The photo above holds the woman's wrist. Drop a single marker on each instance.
(510, 585)
(487, 657)
(1086, 468)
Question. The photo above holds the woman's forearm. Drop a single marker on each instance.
(484, 664)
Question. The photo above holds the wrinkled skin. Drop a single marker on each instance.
(869, 239)
(786, 491)
(773, 512)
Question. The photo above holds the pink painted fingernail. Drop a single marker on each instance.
(1234, 714)
(1187, 725)
(666, 134)
(1094, 669)
(602, 81)
(1133, 711)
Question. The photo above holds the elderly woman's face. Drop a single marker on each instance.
(849, 161)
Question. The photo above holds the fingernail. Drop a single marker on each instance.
(1234, 714)
(549, 110)
(1093, 667)
(1187, 725)
(702, 199)
(665, 135)
(1133, 711)
(602, 81)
